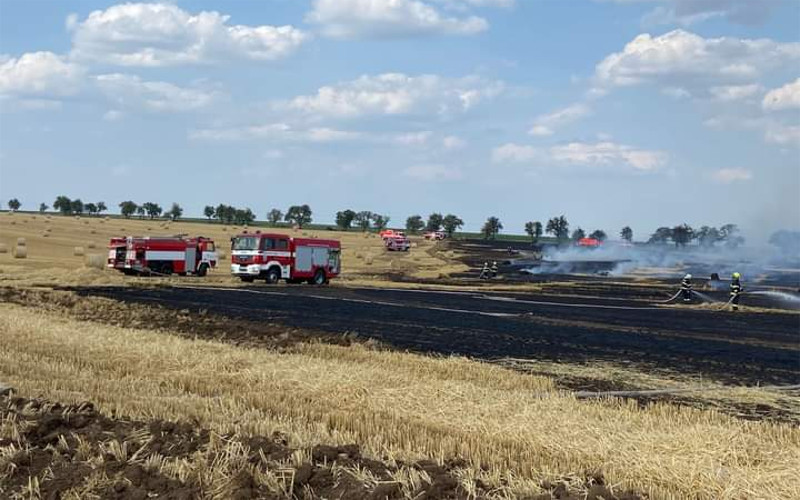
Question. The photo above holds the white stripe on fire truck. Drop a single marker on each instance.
(164, 255)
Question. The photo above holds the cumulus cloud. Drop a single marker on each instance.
(433, 172)
(786, 97)
(132, 91)
(604, 154)
(729, 175)
(273, 132)
(389, 18)
(680, 59)
(545, 124)
(396, 94)
(159, 34)
(39, 74)
(734, 92)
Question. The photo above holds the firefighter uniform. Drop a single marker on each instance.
(736, 290)
(686, 288)
(494, 269)
(485, 271)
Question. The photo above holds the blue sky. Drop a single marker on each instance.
(613, 112)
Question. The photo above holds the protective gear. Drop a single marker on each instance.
(686, 288)
(494, 268)
(485, 271)
(736, 291)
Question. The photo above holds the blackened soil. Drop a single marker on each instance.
(737, 348)
(64, 446)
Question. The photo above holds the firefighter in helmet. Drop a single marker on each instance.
(494, 268)
(485, 271)
(736, 290)
(686, 288)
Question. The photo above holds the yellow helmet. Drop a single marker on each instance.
(736, 276)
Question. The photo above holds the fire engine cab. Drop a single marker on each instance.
(162, 255)
(273, 257)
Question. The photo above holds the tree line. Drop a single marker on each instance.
(706, 236)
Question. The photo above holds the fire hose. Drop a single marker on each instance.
(671, 298)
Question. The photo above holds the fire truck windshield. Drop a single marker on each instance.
(245, 243)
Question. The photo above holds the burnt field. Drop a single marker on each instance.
(745, 348)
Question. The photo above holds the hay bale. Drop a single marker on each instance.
(20, 252)
(3, 248)
(20, 242)
(221, 255)
(91, 245)
(77, 251)
(368, 259)
(45, 235)
(95, 261)
(48, 229)
(93, 231)
(13, 223)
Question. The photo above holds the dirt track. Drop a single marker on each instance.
(740, 348)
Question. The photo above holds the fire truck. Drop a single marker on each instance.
(399, 243)
(273, 257)
(162, 255)
(391, 233)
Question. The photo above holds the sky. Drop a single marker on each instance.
(643, 113)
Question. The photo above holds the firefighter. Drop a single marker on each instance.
(494, 269)
(736, 290)
(485, 271)
(686, 288)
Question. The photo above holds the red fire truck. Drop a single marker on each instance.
(162, 255)
(273, 257)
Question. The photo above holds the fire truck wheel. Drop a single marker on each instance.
(273, 275)
(203, 270)
(319, 278)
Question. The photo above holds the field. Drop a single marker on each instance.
(406, 378)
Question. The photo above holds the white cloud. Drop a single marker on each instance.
(545, 124)
(113, 115)
(601, 154)
(39, 74)
(786, 97)
(681, 59)
(396, 94)
(735, 92)
(273, 132)
(728, 175)
(783, 134)
(388, 18)
(687, 12)
(432, 172)
(453, 142)
(514, 153)
(412, 138)
(158, 34)
(676, 92)
(133, 92)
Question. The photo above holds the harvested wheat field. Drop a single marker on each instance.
(487, 431)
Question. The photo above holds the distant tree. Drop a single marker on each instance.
(77, 206)
(43, 207)
(63, 204)
(344, 219)
(626, 234)
(14, 204)
(682, 235)
(140, 211)
(534, 230)
(707, 236)
(101, 206)
(224, 213)
(451, 223)
(153, 209)
(599, 234)
(380, 221)
(209, 212)
(274, 216)
(662, 235)
(243, 216)
(414, 224)
(435, 222)
(91, 208)
(491, 227)
(127, 208)
(728, 234)
(299, 215)
(175, 212)
(558, 227)
(363, 220)
(578, 234)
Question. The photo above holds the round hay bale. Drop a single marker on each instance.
(13, 223)
(20, 252)
(45, 235)
(368, 260)
(221, 255)
(86, 222)
(95, 261)
(91, 245)
(77, 251)
(93, 231)
(20, 242)
(47, 229)
(3, 248)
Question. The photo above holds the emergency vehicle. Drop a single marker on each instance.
(435, 235)
(162, 255)
(391, 233)
(398, 243)
(273, 257)
(588, 243)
